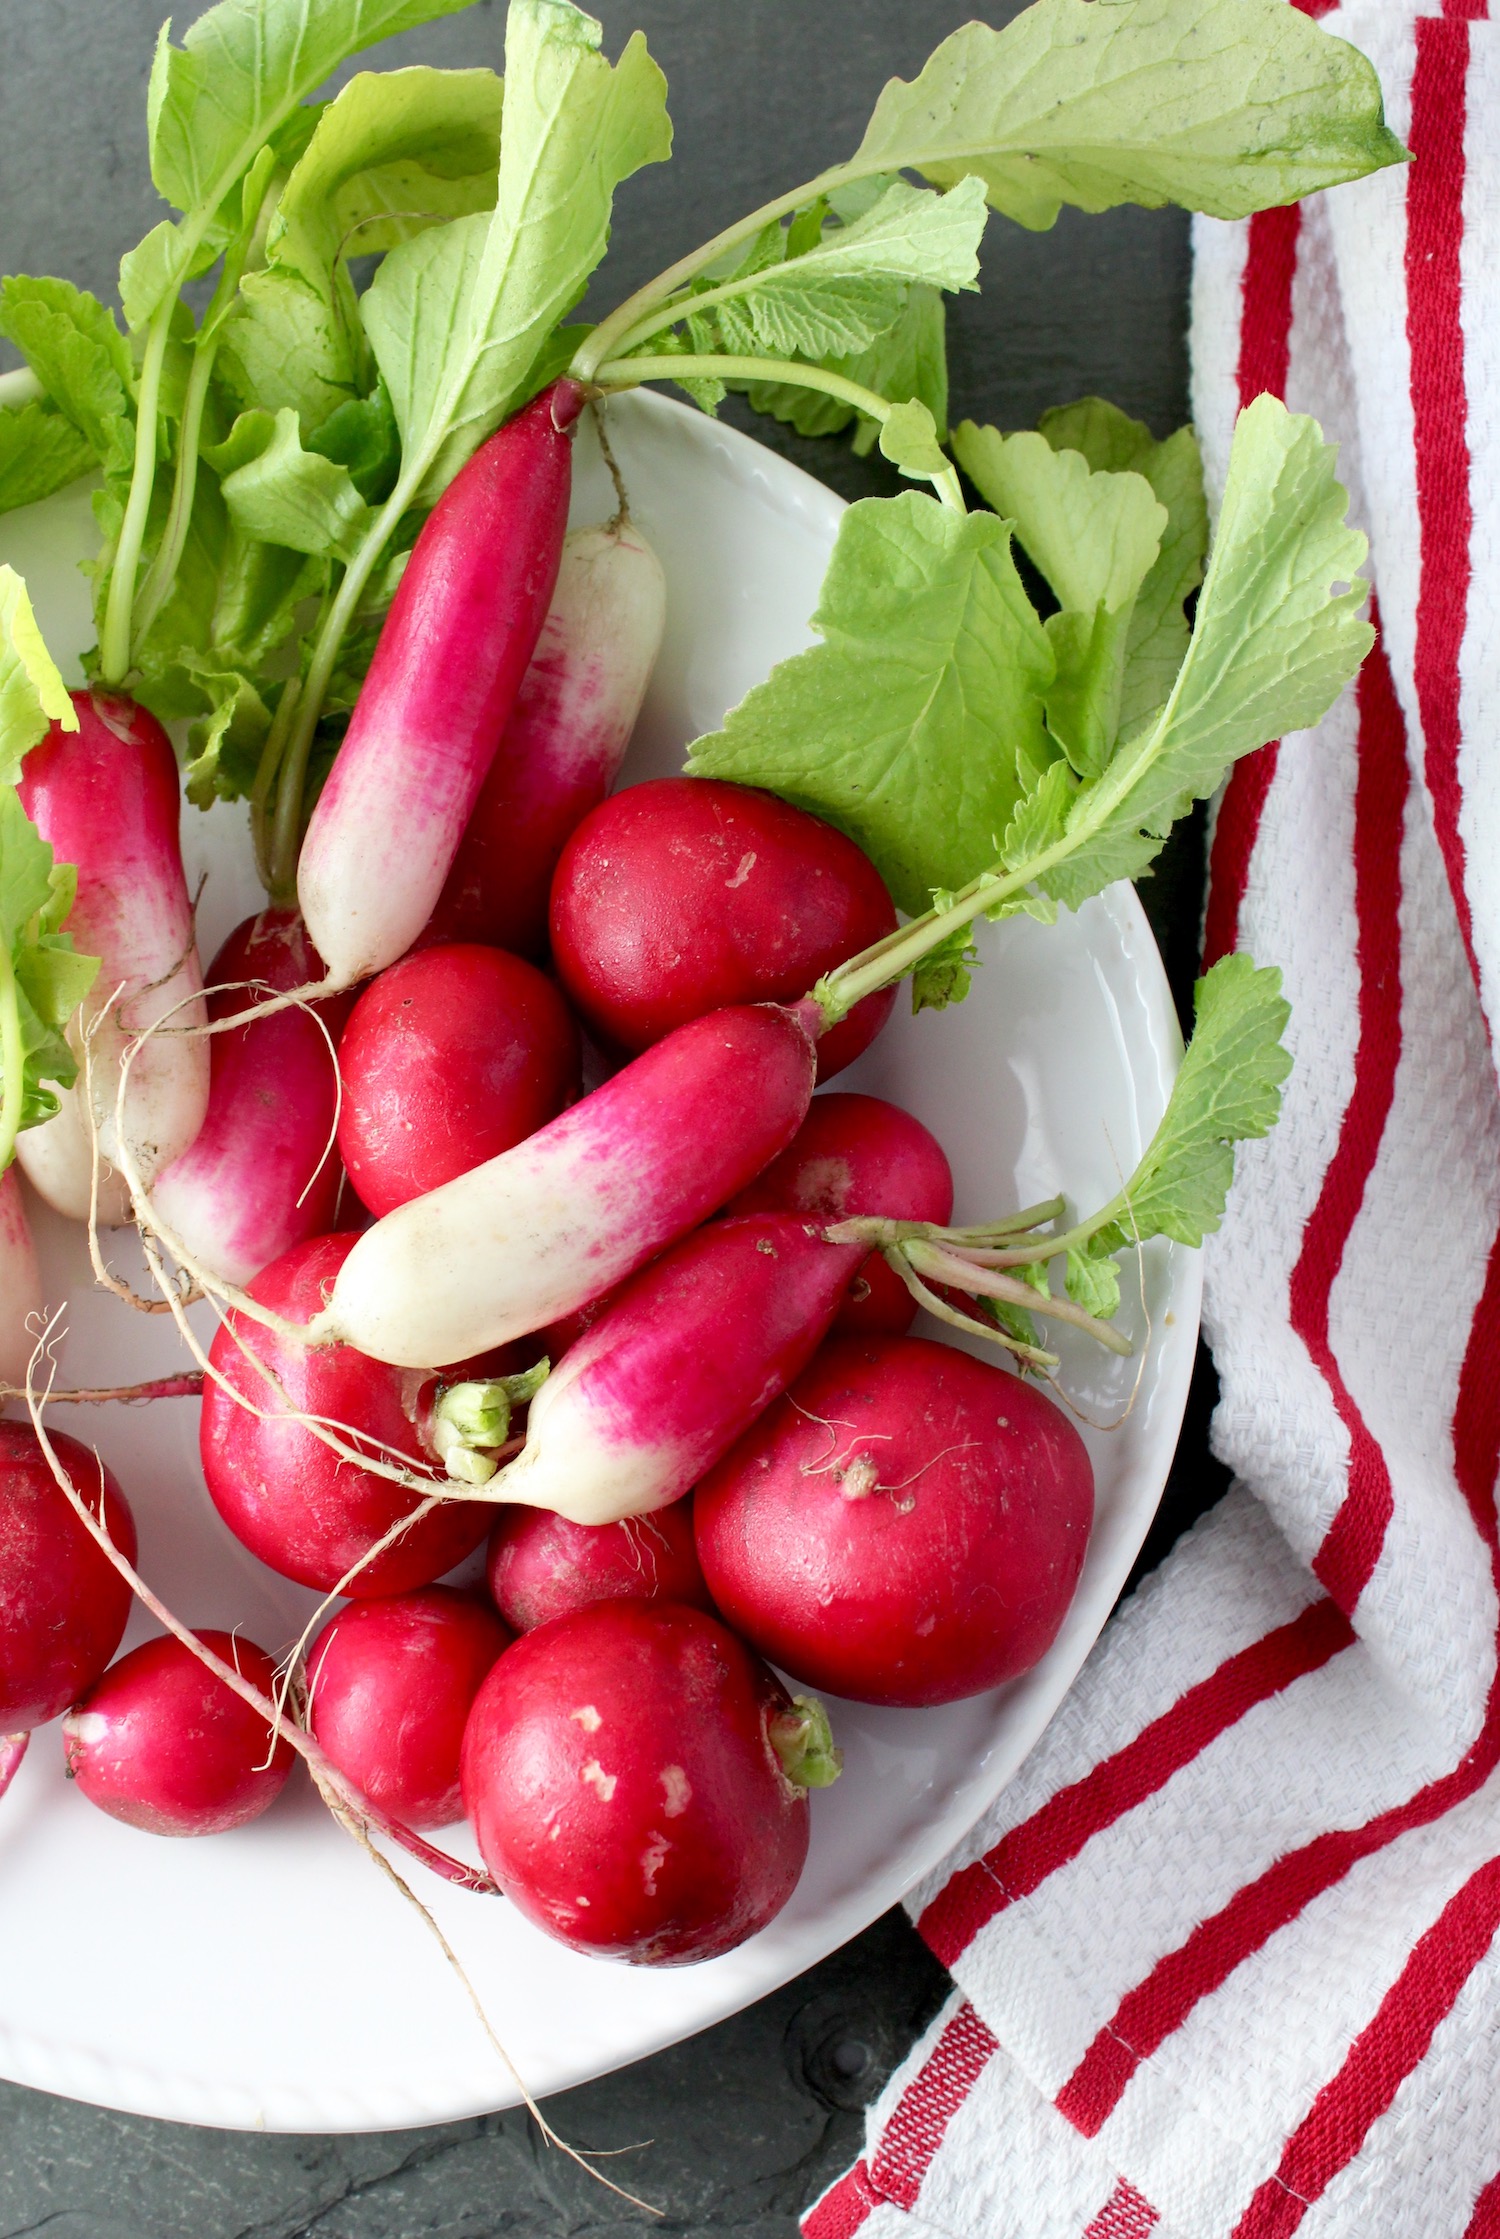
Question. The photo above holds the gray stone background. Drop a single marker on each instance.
(747, 2122)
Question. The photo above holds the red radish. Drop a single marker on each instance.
(163, 1744)
(452, 653)
(106, 796)
(539, 1231)
(293, 1501)
(262, 1174)
(20, 1284)
(622, 1773)
(64, 1606)
(390, 1684)
(678, 897)
(678, 1366)
(907, 1526)
(450, 1057)
(856, 1155)
(562, 748)
(542, 1566)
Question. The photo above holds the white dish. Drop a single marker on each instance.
(271, 1978)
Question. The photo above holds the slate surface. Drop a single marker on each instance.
(749, 2120)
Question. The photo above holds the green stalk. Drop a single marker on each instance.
(629, 373)
(12, 1059)
(162, 575)
(114, 639)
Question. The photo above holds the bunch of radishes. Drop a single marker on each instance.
(644, 1276)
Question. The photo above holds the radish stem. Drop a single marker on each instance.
(12, 1059)
(114, 638)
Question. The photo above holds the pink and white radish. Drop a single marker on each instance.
(858, 1155)
(684, 895)
(454, 648)
(390, 1685)
(20, 1284)
(64, 1606)
(637, 1782)
(542, 1566)
(562, 749)
(106, 797)
(450, 1057)
(292, 1499)
(163, 1744)
(537, 1232)
(906, 1526)
(261, 1174)
(678, 1366)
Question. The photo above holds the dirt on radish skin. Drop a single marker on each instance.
(163, 1744)
(854, 1156)
(686, 894)
(621, 1774)
(390, 1685)
(907, 1526)
(450, 1057)
(295, 1503)
(542, 1566)
(64, 1606)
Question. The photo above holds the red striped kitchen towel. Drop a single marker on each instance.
(1225, 1952)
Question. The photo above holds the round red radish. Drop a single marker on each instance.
(543, 1566)
(450, 1057)
(621, 1773)
(906, 1526)
(390, 1684)
(63, 1606)
(163, 1744)
(687, 894)
(854, 1156)
(294, 1502)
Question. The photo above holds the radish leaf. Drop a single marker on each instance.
(79, 355)
(909, 359)
(281, 494)
(42, 979)
(1224, 106)
(32, 694)
(40, 451)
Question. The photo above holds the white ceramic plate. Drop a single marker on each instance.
(271, 1978)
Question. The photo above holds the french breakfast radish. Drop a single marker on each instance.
(449, 1058)
(262, 1173)
(106, 796)
(683, 895)
(906, 1526)
(163, 1744)
(561, 750)
(542, 1566)
(539, 1231)
(287, 1495)
(20, 1284)
(856, 1155)
(454, 648)
(680, 1363)
(64, 1606)
(623, 1772)
(390, 1684)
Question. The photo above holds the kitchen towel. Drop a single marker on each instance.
(1225, 1953)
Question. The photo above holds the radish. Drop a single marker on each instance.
(450, 1057)
(390, 1684)
(261, 1175)
(542, 1566)
(20, 1284)
(452, 653)
(561, 750)
(681, 896)
(678, 1366)
(162, 1743)
(907, 1526)
(857, 1155)
(291, 1499)
(537, 1232)
(638, 1782)
(64, 1607)
(106, 797)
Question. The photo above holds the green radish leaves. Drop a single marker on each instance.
(32, 694)
(281, 494)
(1224, 106)
(82, 361)
(40, 451)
